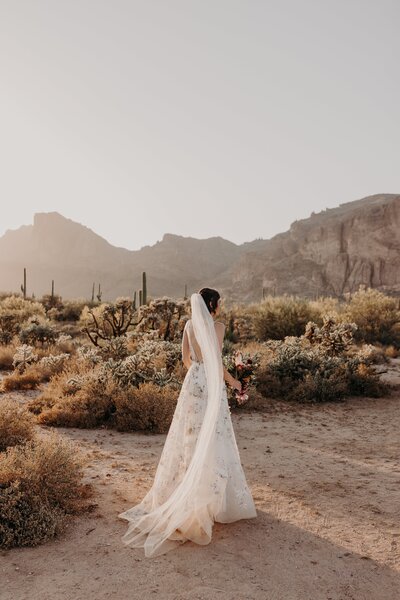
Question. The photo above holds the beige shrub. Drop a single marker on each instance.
(376, 315)
(40, 486)
(16, 424)
(146, 408)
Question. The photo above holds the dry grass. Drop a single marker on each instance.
(32, 377)
(16, 424)
(40, 486)
(28, 380)
(6, 357)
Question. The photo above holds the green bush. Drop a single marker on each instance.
(376, 315)
(278, 317)
(37, 332)
(318, 366)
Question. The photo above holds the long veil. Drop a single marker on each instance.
(188, 512)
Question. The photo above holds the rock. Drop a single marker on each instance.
(330, 253)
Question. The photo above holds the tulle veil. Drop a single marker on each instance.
(188, 513)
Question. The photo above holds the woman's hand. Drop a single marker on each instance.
(236, 384)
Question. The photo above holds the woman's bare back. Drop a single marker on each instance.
(195, 350)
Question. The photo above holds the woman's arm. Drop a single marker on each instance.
(185, 349)
(235, 383)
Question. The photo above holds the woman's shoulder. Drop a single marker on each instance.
(219, 324)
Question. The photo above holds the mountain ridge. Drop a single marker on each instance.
(329, 253)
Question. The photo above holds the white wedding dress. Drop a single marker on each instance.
(195, 484)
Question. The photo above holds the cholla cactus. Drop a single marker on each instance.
(37, 330)
(152, 349)
(63, 338)
(115, 348)
(23, 357)
(335, 338)
(108, 320)
(73, 384)
(76, 382)
(165, 316)
(54, 360)
(162, 378)
(125, 372)
(138, 368)
(91, 355)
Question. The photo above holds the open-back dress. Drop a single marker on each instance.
(234, 500)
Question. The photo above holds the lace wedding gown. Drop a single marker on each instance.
(222, 492)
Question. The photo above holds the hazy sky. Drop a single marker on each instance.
(196, 117)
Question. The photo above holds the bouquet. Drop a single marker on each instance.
(242, 367)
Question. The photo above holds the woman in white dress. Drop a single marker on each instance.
(199, 477)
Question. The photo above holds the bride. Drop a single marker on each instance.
(199, 477)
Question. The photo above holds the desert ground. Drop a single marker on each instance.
(326, 483)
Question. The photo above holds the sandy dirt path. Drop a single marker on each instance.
(326, 482)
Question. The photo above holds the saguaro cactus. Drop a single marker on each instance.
(52, 289)
(140, 297)
(23, 287)
(93, 292)
(134, 301)
(185, 296)
(144, 288)
(99, 294)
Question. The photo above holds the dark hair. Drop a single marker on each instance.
(210, 297)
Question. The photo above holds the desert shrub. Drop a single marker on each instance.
(107, 321)
(9, 327)
(324, 305)
(38, 332)
(318, 366)
(51, 301)
(154, 361)
(93, 401)
(83, 401)
(40, 486)
(36, 373)
(278, 317)
(23, 357)
(239, 322)
(362, 380)
(374, 354)
(69, 310)
(91, 392)
(391, 351)
(377, 317)
(147, 407)
(14, 310)
(6, 357)
(64, 344)
(24, 308)
(115, 348)
(165, 317)
(29, 380)
(16, 424)
(333, 337)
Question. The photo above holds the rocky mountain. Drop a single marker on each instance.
(328, 253)
(58, 248)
